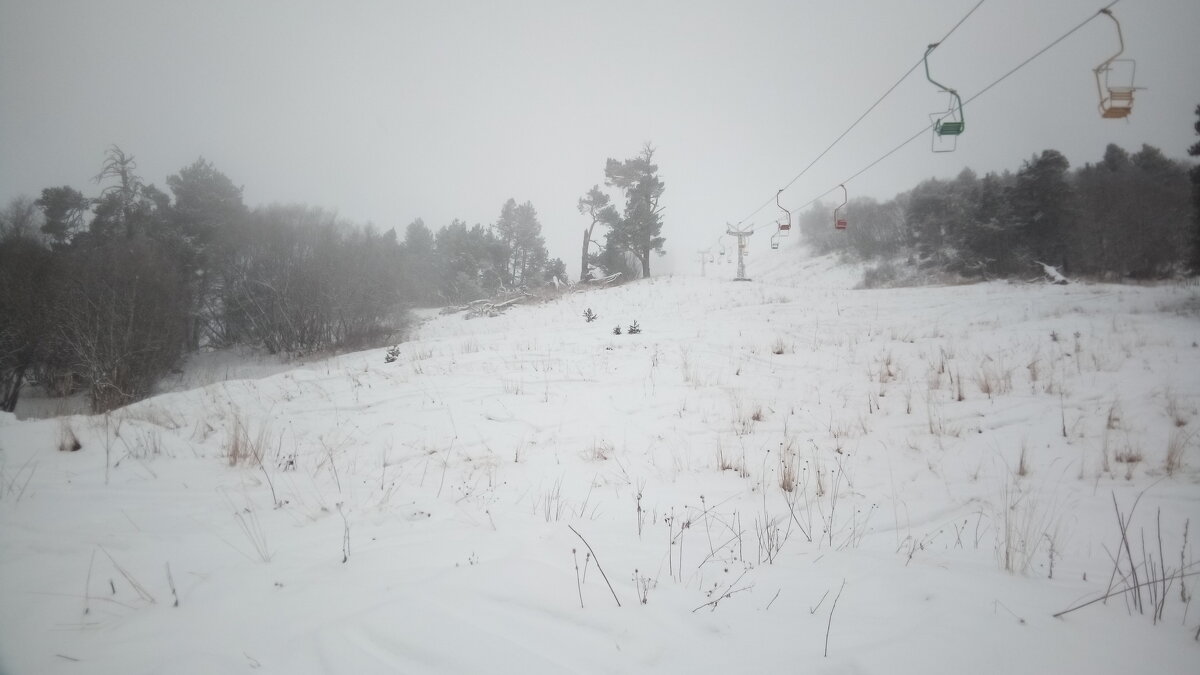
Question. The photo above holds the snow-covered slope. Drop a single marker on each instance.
(794, 266)
(766, 473)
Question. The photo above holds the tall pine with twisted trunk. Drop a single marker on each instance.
(639, 229)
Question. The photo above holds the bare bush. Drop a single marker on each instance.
(24, 307)
(120, 318)
(302, 282)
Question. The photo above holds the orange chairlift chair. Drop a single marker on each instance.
(785, 220)
(1114, 80)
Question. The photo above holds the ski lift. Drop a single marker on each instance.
(840, 222)
(775, 239)
(949, 125)
(785, 221)
(1114, 80)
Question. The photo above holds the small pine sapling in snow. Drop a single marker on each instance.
(589, 315)
(617, 329)
(393, 353)
(634, 328)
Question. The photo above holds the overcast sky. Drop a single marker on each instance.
(390, 111)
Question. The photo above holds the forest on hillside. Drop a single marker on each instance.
(1129, 216)
(107, 293)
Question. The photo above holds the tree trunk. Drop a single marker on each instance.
(645, 256)
(587, 242)
(10, 388)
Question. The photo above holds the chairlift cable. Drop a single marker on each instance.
(1041, 51)
(864, 115)
(981, 92)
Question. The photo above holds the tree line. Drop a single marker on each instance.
(1129, 216)
(107, 293)
(459, 263)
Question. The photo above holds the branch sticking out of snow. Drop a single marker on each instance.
(1052, 274)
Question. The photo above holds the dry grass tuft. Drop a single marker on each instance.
(1129, 455)
(243, 447)
(725, 462)
(600, 451)
(1179, 416)
(1176, 444)
(787, 470)
(1027, 525)
(994, 379)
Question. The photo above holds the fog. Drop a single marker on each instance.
(392, 111)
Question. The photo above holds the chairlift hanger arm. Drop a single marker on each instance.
(928, 51)
(783, 208)
(1116, 100)
(962, 120)
(840, 223)
(1120, 38)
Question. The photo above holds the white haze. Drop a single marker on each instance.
(390, 111)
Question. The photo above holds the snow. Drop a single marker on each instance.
(456, 473)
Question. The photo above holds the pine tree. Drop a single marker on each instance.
(1044, 207)
(518, 229)
(63, 208)
(206, 201)
(554, 270)
(639, 228)
(207, 205)
(599, 208)
(990, 239)
(419, 264)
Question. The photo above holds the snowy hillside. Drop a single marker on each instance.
(909, 481)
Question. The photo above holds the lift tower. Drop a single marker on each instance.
(742, 235)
